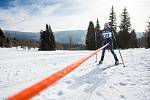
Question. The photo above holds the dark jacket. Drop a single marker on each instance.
(107, 37)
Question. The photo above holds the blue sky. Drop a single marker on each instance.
(32, 15)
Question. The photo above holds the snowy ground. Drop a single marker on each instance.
(20, 69)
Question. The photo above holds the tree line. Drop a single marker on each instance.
(125, 36)
(47, 42)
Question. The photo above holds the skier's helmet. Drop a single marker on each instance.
(106, 25)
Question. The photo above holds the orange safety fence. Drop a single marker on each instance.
(28, 93)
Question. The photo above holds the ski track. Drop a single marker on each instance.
(20, 69)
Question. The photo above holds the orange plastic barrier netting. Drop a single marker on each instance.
(38, 87)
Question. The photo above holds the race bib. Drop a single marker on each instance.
(107, 35)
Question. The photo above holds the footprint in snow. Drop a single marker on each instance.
(122, 96)
(141, 80)
(68, 82)
(89, 82)
(98, 93)
(128, 76)
(122, 84)
(128, 79)
(148, 67)
(111, 87)
(60, 93)
(86, 90)
(121, 73)
(132, 84)
(148, 70)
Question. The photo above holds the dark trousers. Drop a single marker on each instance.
(112, 51)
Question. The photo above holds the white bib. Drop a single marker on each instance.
(107, 35)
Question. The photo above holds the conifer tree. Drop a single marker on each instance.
(148, 35)
(133, 39)
(2, 39)
(112, 18)
(90, 37)
(47, 40)
(53, 42)
(113, 22)
(125, 27)
(70, 42)
(98, 36)
(2, 34)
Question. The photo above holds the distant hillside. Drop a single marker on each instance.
(77, 36)
(34, 36)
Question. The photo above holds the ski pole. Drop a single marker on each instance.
(96, 44)
(121, 56)
(96, 57)
(118, 47)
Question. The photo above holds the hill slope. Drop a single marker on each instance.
(77, 36)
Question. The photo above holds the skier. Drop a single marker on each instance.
(107, 33)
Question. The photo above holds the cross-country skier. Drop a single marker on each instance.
(107, 33)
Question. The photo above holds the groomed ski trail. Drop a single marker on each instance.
(20, 69)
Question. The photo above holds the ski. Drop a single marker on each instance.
(112, 64)
(109, 66)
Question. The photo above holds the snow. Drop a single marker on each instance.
(20, 69)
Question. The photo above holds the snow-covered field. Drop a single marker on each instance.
(20, 69)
